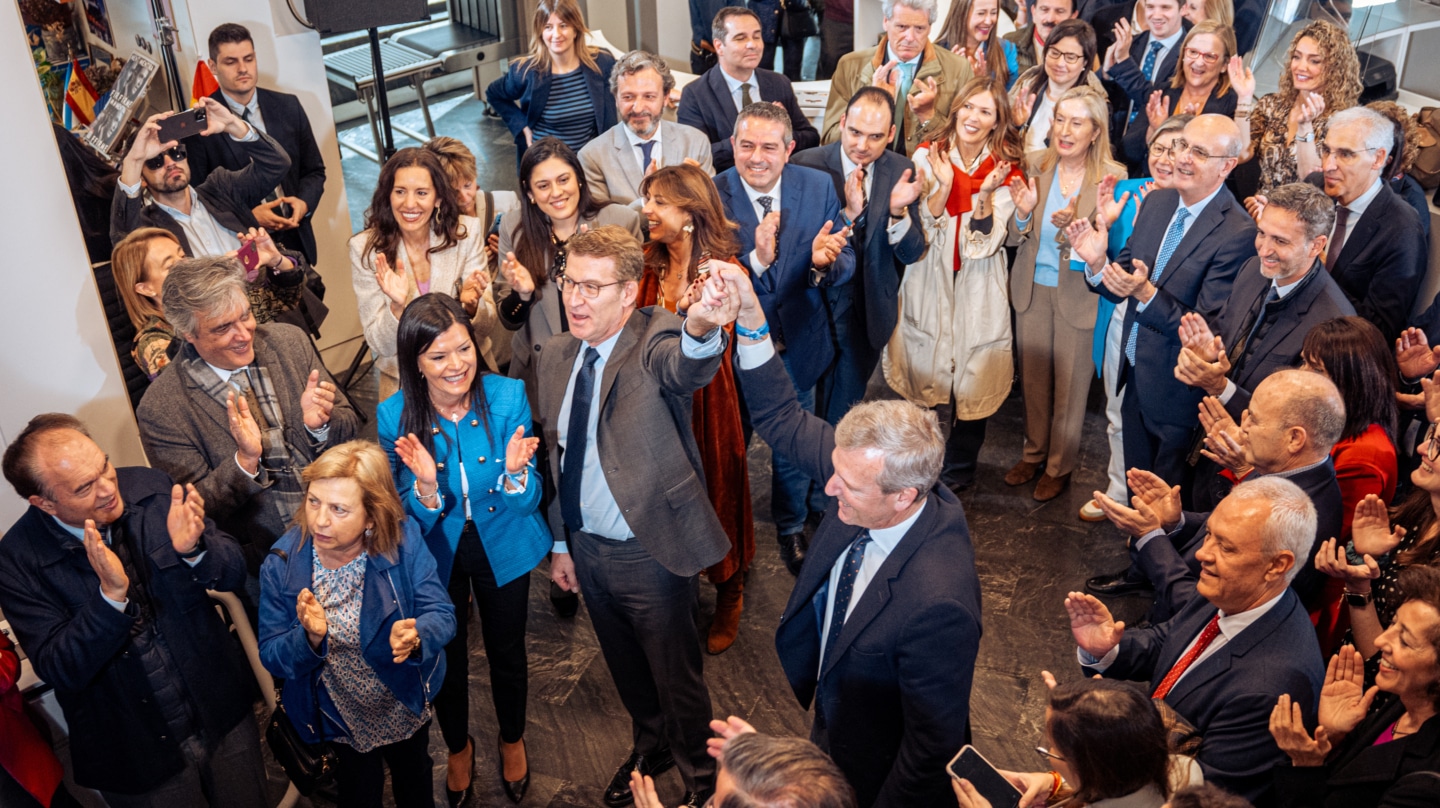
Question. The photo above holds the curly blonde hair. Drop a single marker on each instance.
(1342, 67)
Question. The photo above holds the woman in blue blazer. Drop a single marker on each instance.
(455, 435)
(353, 618)
(561, 88)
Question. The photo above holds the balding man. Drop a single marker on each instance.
(883, 626)
(1227, 656)
(1189, 242)
(104, 579)
(1294, 419)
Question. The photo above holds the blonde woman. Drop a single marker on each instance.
(1054, 311)
(951, 350)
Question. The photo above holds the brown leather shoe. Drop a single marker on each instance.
(1051, 487)
(729, 602)
(1022, 472)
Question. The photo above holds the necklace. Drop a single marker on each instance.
(1067, 187)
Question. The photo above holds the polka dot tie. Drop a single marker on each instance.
(846, 587)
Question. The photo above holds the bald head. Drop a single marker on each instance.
(1214, 149)
(1294, 419)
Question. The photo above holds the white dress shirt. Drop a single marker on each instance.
(774, 193)
(598, 508)
(636, 140)
(882, 543)
(893, 231)
(734, 85)
(1230, 627)
(240, 110)
(1357, 209)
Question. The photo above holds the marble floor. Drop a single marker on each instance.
(1029, 555)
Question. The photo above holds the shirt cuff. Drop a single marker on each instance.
(560, 547)
(320, 435)
(1143, 540)
(898, 230)
(131, 191)
(696, 349)
(1097, 665)
(118, 604)
(1229, 392)
(753, 355)
(1139, 307)
(1092, 278)
(196, 560)
(1025, 222)
(250, 136)
(755, 267)
(256, 475)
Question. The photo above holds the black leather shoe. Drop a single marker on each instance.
(466, 796)
(1121, 583)
(617, 794)
(695, 799)
(791, 550)
(514, 789)
(566, 603)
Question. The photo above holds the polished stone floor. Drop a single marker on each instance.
(1029, 555)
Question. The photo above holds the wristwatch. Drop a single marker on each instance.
(1357, 600)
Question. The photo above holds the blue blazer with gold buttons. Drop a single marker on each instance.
(511, 528)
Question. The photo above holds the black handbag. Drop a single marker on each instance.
(308, 765)
(799, 21)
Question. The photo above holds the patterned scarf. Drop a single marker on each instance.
(283, 464)
(963, 190)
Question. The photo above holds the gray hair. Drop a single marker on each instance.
(766, 111)
(1379, 130)
(1308, 204)
(1312, 403)
(1174, 123)
(908, 436)
(774, 772)
(1291, 523)
(930, 7)
(201, 287)
(636, 61)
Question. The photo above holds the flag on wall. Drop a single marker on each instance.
(80, 96)
(204, 83)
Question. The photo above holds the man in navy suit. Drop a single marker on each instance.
(1227, 657)
(882, 629)
(287, 212)
(712, 102)
(880, 193)
(1189, 242)
(1136, 66)
(794, 243)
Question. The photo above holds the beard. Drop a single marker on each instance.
(163, 185)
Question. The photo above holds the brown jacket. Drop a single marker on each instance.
(856, 69)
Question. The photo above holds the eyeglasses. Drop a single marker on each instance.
(1343, 155)
(1067, 58)
(1180, 146)
(1158, 149)
(176, 154)
(1048, 755)
(1210, 58)
(587, 289)
(1432, 452)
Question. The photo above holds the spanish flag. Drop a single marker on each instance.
(80, 95)
(204, 83)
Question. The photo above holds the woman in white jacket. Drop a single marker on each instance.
(952, 348)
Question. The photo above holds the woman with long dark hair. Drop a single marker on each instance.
(455, 435)
(688, 227)
(972, 30)
(416, 240)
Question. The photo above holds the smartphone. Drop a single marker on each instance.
(970, 765)
(495, 226)
(181, 125)
(249, 256)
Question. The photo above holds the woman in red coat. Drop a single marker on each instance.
(24, 755)
(1352, 352)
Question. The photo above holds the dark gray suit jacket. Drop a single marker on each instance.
(646, 445)
(707, 105)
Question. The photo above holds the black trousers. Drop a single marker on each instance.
(503, 612)
(644, 617)
(360, 776)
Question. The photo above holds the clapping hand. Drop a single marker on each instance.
(907, 189)
(729, 728)
(1023, 193)
(245, 432)
(1255, 205)
(922, 99)
(1430, 388)
(942, 169)
(404, 639)
(855, 193)
(1021, 105)
(1414, 354)
(1123, 39)
(827, 246)
(1344, 701)
(642, 787)
(114, 583)
(317, 402)
(1157, 109)
(1242, 79)
(186, 520)
(517, 276)
(1064, 216)
(473, 290)
(1152, 492)
(1287, 726)
(392, 282)
(1370, 529)
(1192, 368)
(1096, 632)
(519, 451)
(996, 177)
(1196, 335)
(1087, 242)
(1215, 421)
(1106, 203)
(419, 460)
(312, 618)
(1128, 284)
(1136, 521)
(886, 77)
(766, 237)
(1311, 108)
(1332, 560)
(977, 62)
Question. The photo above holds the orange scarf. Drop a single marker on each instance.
(964, 188)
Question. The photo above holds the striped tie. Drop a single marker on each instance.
(1167, 249)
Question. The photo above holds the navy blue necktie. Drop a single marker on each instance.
(645, 154)
(844, 588)
(572, 464)
(1148, 69)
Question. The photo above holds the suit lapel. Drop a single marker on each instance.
(1210, 218)
(836, 168)
(1042, 193)
(1365, 229)
(618, 355)
(625, 156)
(1219, 662)
(724, 104)
(559, 377)
(877, 208)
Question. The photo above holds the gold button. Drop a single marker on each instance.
(441, 466)
(492, 508)
(442, 514)
(492, 490)
(434, 430)
(482, 460)
(474, 422)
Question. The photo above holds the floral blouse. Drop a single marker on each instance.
(1269, 121)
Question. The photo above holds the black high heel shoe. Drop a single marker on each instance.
(514, 789)
(466, 796)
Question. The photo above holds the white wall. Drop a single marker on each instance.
(58, 355)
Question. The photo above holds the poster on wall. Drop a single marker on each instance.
(97, 18)
(126, 96)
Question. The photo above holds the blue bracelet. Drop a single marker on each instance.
(756, 335)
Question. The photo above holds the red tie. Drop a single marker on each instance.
(1212, 630)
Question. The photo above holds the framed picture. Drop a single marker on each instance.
(126, 97)
(97, 19)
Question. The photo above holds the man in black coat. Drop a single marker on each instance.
(872, 184)
(883, 626)
(712, 102)
(104, 579)
(1377, 251)
(285, 214)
